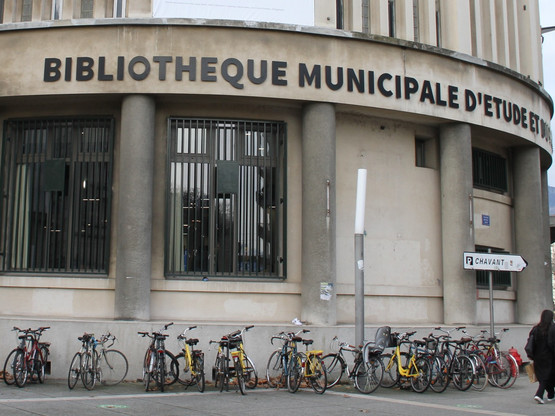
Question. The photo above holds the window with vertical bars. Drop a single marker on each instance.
(56, 183)
(27, 11)
(500, 279)
(225, 214)
(489, 171)
(87, 9)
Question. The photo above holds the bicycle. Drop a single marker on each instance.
(231, 349)
(307, 365)
(96, 362)
(365, 374)
(417, 367)
(29, 358)
(502, 368)
(276, 369)
(460, 366)
(190, 362)
(159, 364)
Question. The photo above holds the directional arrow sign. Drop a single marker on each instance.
(491, 261)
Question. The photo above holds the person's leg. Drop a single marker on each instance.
(539, 393)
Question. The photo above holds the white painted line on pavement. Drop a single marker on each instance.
(431, 405)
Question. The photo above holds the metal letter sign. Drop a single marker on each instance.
(490, 261)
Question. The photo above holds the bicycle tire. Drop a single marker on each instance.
(335, 368)
(239, 375)
(161, 371)
(88, 375)
(440, 379)
(170, 377)
(198, 364)
(462, 372)
(74, 373)
(112, 367)
(275, 370)
(21, 372)
(318, 379)
(148, 363)
(250, 374)
(391, 374)
(368, 375)
(44, 353)
(481, 374)
(420, 381)
(222, 372)
(38, 367)
(499, 371)
(8, 374)
(513, 365)
(184, 375)
(294, 373)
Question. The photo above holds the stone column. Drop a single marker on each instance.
(134, 229)
(533, 284)
(318, 200)
(459, 285)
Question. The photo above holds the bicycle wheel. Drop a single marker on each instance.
(391, 374)
(481, 374)
(514, 372)
(421, 374)
(294, 373)
(318, 378)
(9, 372)
(44, 353)
(439, 379)
(368, 376)
(38, 367)
(170, 363)
(239, 375)
(160, 371)
(184, 375)
(462, 372)
(198, 364)
(249, 373)
(499, 371)
(20, 369)
(88, 375)
(148, 365)
(222, 372)
(335, 367)
(112, 367)
(275, 371)
(74, 373)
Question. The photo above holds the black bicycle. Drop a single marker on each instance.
(159, 365)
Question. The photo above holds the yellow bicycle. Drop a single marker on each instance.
(190, 362)
(310, 366)
(417, 368)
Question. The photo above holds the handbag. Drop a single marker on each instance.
(529, 348)
(531, 373)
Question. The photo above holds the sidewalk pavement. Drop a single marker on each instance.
(54, 398)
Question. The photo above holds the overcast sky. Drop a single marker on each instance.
(547, 19)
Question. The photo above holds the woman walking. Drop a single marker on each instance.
(543, 355)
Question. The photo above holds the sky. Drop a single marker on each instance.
(547, 19)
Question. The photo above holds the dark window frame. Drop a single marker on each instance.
(489, 171)
(230, 178)
(56, 178)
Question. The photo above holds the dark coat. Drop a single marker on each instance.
(544, 352)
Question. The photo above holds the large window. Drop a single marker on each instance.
(56, 186)
(489, 171)
(225, 198)
(500, 279)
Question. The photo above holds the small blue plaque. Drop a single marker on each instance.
(485, 220)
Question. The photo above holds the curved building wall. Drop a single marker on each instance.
(410, 113)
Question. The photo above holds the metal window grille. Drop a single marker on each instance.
(27, 11)
(224, 207)
(501, 279)
(391, 17)
(87, 9)
(56, 182)
(489, 171)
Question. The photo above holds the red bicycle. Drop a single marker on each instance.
(28, 359)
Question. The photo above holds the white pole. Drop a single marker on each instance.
(359, 257)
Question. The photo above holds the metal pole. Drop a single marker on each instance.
(491, 325)
(359, 257)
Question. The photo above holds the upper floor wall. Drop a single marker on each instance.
(505, 32)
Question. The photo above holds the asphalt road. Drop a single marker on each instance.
(54, 398)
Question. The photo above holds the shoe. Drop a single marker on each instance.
(539, 400)
(551, 399)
